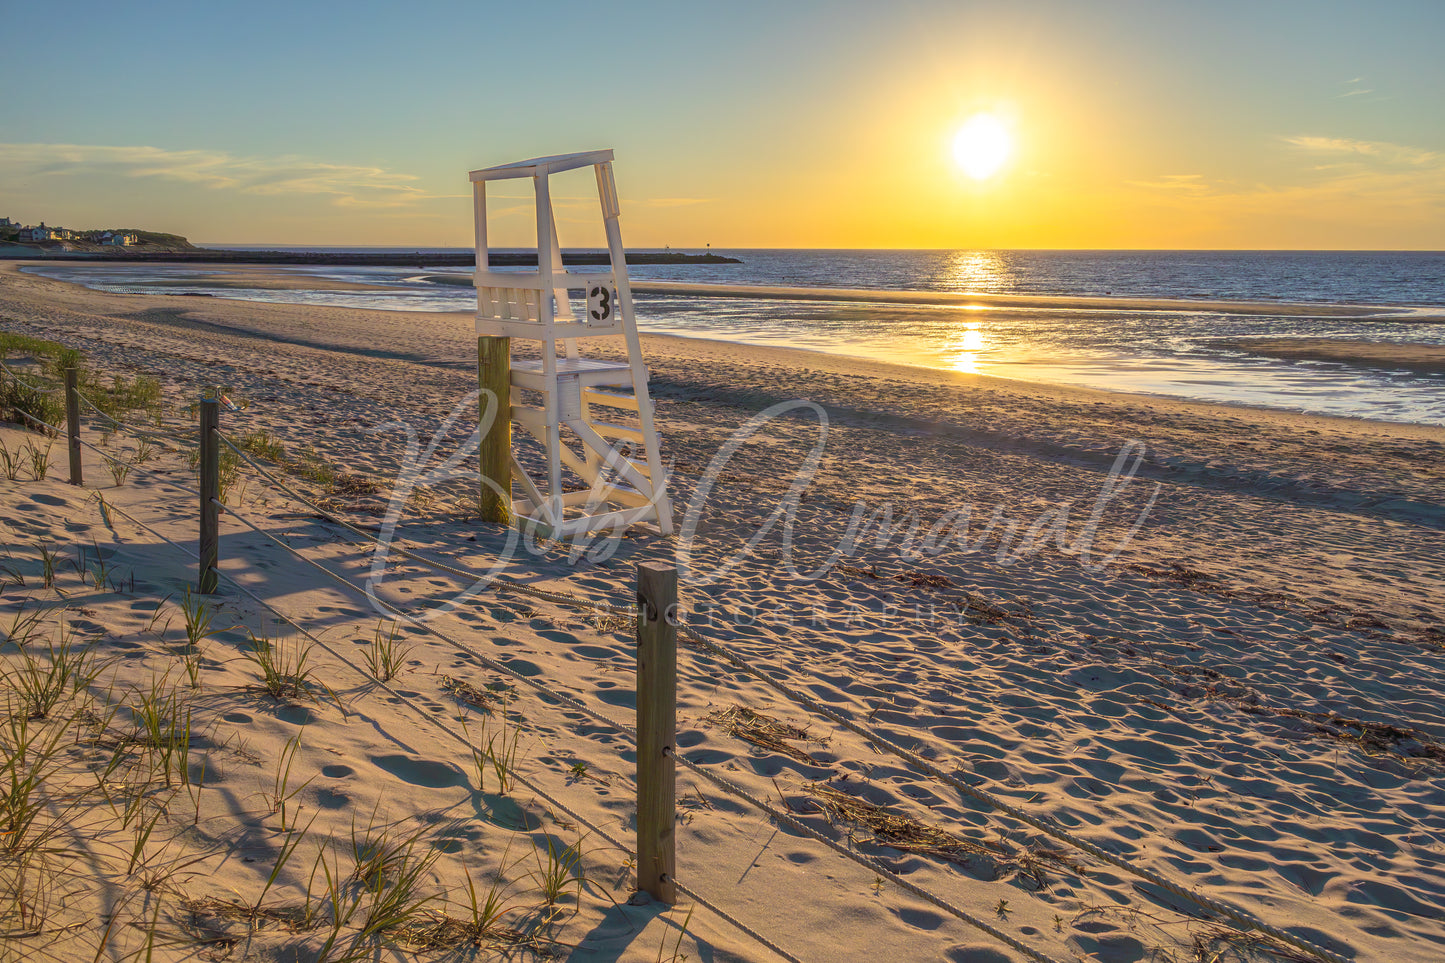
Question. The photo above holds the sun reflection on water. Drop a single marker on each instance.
(981, 271)
(965, 347)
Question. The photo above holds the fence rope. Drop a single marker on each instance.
(112, 458)
(150, 473)
(866, 862)
(32, 385)
(462, 740)
(148, 433)
(43, 424)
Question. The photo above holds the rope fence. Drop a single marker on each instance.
(33, 386)
(108, 456)
(1241, 918)
(421, 712)
(150, 434)
(431, 719)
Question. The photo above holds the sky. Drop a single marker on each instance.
(1161, 124)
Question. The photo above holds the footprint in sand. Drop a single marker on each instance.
(421, 772)
(296, 715)
(1124, 949)
(622, 698)
(922, 919)
(337, 771)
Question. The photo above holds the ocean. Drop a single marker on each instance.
(1175, 348)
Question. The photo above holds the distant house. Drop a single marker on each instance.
(119, 240)
(6, 222)
(41, 233)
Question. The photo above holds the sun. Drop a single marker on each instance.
(982, 146)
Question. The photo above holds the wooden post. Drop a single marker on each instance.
(494, 453)
(207, 580)
(656, 729)
(72, 423)
(494, 374)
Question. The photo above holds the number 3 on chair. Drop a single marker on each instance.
(600, 299)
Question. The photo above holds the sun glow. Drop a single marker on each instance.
(969, 344)
(982, 146)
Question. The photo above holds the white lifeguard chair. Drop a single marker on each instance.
(618, 466)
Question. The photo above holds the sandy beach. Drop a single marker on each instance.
(1205, 638)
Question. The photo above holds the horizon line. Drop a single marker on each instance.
(719, 249)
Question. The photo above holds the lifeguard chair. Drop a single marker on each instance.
(619, 478)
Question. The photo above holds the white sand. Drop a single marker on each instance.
(1172, 707)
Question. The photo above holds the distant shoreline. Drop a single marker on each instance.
(390, 259)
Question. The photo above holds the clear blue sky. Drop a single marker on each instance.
(1144, 124)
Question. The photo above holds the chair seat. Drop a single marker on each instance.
(572, 365)
(587, 371)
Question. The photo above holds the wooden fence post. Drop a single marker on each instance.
(72, 423)
(207, 580)
(656, 729)
(494, 451)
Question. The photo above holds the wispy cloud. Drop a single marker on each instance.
(1179, 183)
(346, 185)
(1383, 190)
(1379, 150)
(1355, 89)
